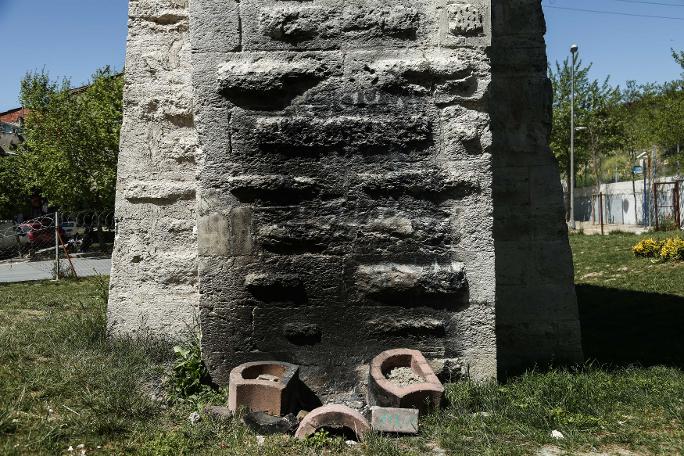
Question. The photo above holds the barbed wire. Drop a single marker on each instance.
(36, 249)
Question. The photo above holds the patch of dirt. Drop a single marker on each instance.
(552, 450)
(404, 376)
(25, 312)
(591, 275)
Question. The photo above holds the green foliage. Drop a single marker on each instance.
(13, 197)
(72, 140)
(617, 123)
(600, 131)
(322, 439)
(191, 380)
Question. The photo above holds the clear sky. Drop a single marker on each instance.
(69, 38)
(74, 37)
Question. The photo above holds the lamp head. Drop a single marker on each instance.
(574, 48)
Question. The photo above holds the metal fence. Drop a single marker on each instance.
(56, 246)
(660, 206)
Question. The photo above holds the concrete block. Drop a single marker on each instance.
(394, 420)
(270, 387)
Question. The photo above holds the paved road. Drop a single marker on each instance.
(42, 270)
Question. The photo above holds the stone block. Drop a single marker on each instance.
(465, 19)
(394, 420)
(356, 172)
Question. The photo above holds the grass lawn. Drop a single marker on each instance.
(64, 383)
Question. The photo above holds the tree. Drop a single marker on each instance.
(13, 199)
(72, 139)
(603, 128)
(599, 131)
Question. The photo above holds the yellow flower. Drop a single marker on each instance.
(648, 248)
(672, 249)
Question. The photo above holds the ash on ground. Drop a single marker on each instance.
(268, 378)
(404, 376)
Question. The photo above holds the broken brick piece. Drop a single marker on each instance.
(333, 416)
(385, 393)
(252, 385)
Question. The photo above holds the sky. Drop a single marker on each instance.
(72, 38)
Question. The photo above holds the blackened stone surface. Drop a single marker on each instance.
(346, 187)
(340, 138)
(337, 137)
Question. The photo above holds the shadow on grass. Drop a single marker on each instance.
(630, 327)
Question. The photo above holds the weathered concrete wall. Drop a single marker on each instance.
(372, 174)
(345, 196)
(154, 270)
(537, 317)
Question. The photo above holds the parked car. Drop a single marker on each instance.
(40, 233)
(72, 229)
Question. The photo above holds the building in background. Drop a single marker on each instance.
(11, 123)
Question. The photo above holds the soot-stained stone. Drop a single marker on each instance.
(276, 287)
(418, 184)
(276, 189)
(302, 333)
(344, 133)
(345, 180)
(264, 424)
(379, 279)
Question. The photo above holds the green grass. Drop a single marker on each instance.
(64, 382)
(608, 261)
(631, 308)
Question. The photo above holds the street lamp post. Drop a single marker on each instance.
(573, 49)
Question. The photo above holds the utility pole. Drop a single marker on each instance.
(56, 245)
(573, 49)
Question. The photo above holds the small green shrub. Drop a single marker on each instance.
(191, 380)
(322, 439)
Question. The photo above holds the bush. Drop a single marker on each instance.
(672, 249)
(648, 248)
(669, 249)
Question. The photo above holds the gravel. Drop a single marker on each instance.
(404, 376)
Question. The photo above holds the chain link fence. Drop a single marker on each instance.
(56, 246)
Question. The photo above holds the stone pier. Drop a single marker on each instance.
(319, 181)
